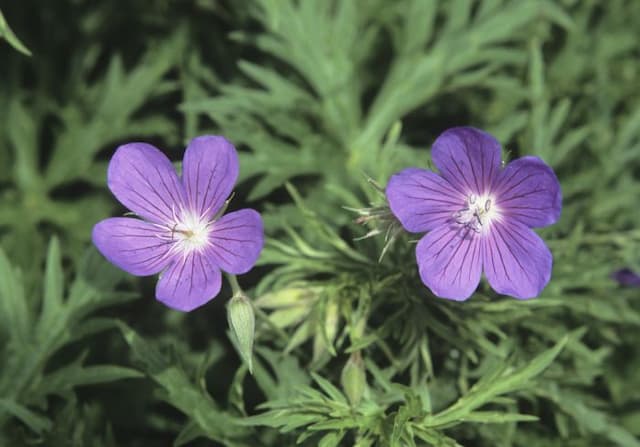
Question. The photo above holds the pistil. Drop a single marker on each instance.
(478, 213)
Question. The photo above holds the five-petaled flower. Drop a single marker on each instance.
(478, 216)
(181, 232)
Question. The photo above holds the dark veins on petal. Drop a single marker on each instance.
(453, 255)
(461, 174)
(145, 201)
(152, 260)
(173, 198)
(508, 246)
(201, 205)
(473, 171)
(491, 241)
(218, 253)
(445, 185)
(155, 191)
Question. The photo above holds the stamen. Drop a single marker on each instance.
(173, 230)
(190, 232)
(477, 214)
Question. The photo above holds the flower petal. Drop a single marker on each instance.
(133, 245)
(236, 241)
(516, 261)
(189, 282)
(450, 262)
(468, 158)
(528, 191)
(626, 277)
(422, 200)
(209, 172)
(143, 179)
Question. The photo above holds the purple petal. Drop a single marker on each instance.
(468, 158)
(189, 282)
(209, 172)
(143, 180)
(528, 191)
(516, 261)
(422, 200)
(236, 241)
(450, 262)
(626, 277)
(133, 245)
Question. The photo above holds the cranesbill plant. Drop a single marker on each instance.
(478, 216)
(182, 232)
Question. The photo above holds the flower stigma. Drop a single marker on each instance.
(478, 214)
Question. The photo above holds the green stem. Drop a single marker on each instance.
(233, 282)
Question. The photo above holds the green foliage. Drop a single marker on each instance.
(37, 326)
(55, 189)
(324, 99)
(183, 392)
(10, 37)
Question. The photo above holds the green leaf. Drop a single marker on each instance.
(331, 439)
(114, 101)
(494, 417)
(589, 419)
(53, 283)
(501, 380)
(333, 392)
(25, 377)
(180, 391)
(10, 37)
(189, 432)
(32, 420)
(14, 311)
(66, 378)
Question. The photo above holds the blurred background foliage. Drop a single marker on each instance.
(318, 96)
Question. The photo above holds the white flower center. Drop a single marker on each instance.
(478, 214)
(191, 232)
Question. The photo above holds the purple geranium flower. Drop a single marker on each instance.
(182, 233)
(478, 216)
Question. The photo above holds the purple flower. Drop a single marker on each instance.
(181, 232)
(626, 277)
(478, 216)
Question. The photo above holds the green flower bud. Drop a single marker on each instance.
(242, 322)
(353, 378)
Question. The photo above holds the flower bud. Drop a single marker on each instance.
(353, 378)
(242, 322)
